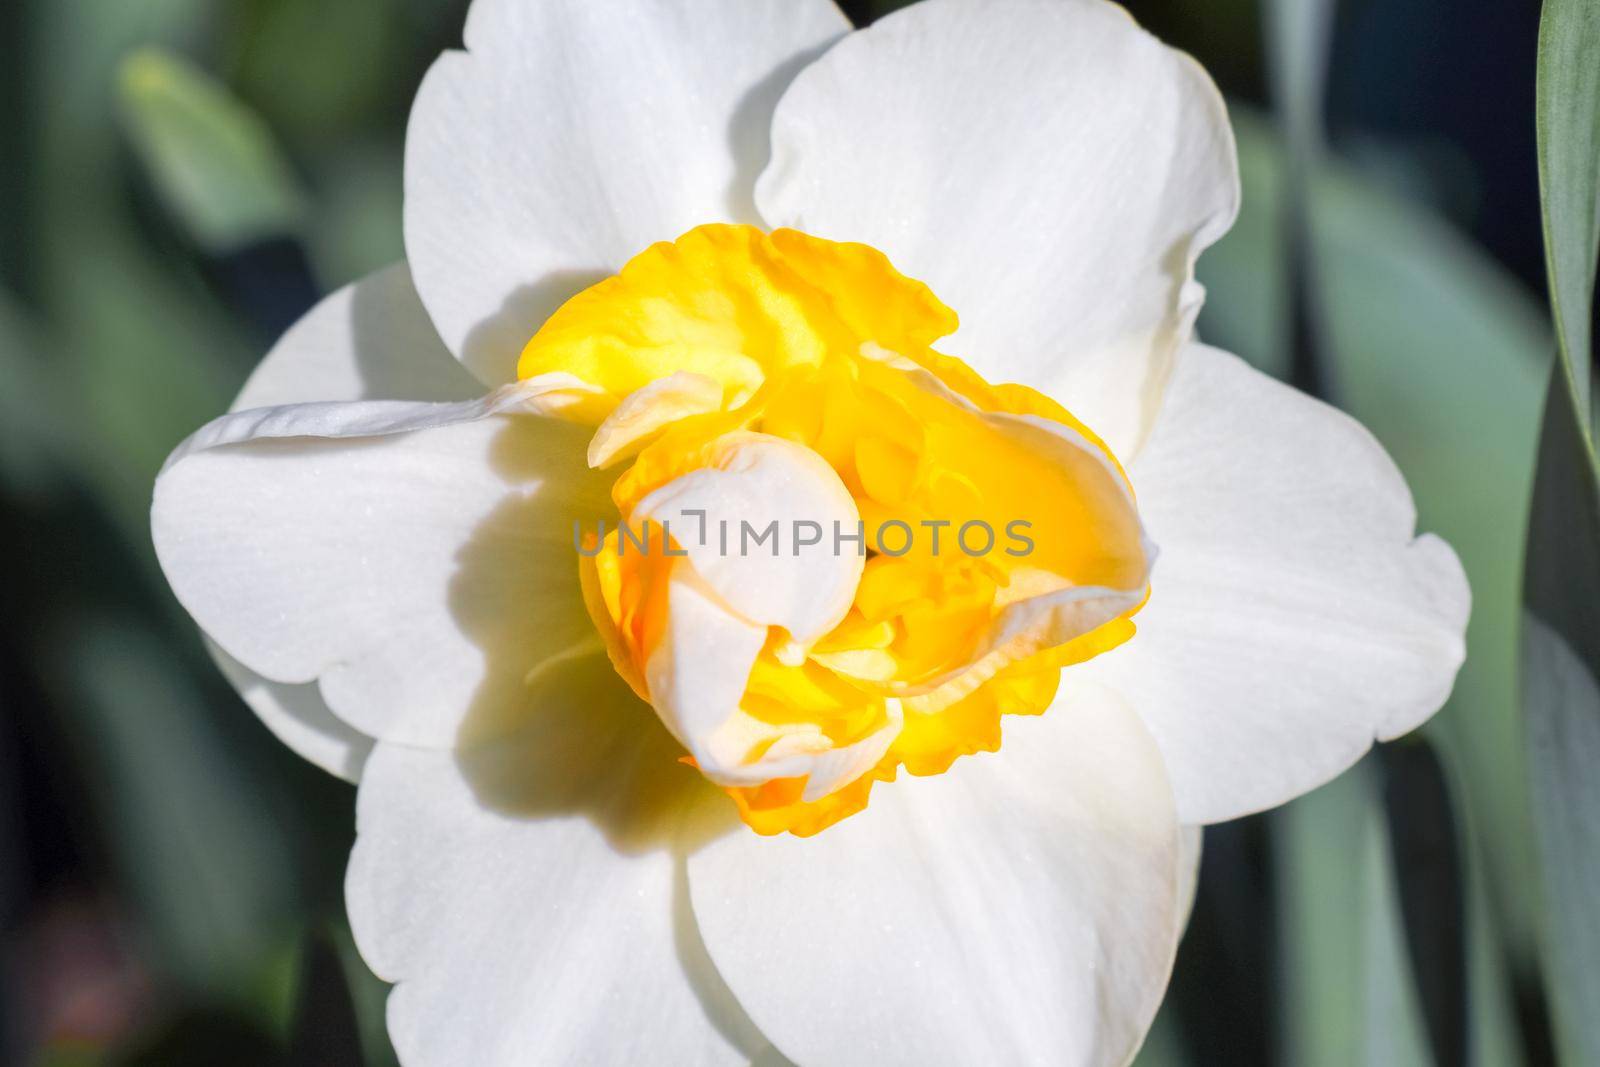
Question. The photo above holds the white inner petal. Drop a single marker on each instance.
(730, 588)
(649, 409)
(740, 520)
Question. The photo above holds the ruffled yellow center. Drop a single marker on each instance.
(940, 547)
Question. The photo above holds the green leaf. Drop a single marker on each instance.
(213, 160)
(1564, 745)
(1568, 109)
(1425, 843)
(1561, 633)
(1348, 991)
(1299, 36)
(1561, 700)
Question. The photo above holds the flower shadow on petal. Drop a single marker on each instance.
(492, 348)
(552, 731)
(750, 134)
(397, 352)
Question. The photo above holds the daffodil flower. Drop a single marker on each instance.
(633, 792)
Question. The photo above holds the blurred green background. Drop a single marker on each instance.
(181, 179)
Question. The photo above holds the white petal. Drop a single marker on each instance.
(527, 897)
(1050, 169)
(416, 559)
(697, 675)
(728, 589)
(651, 408)
(571, 135)
(1020, 908)
(369, 341)
(837, 768)
(1295, 616)
(299, 717)
(759, 563)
